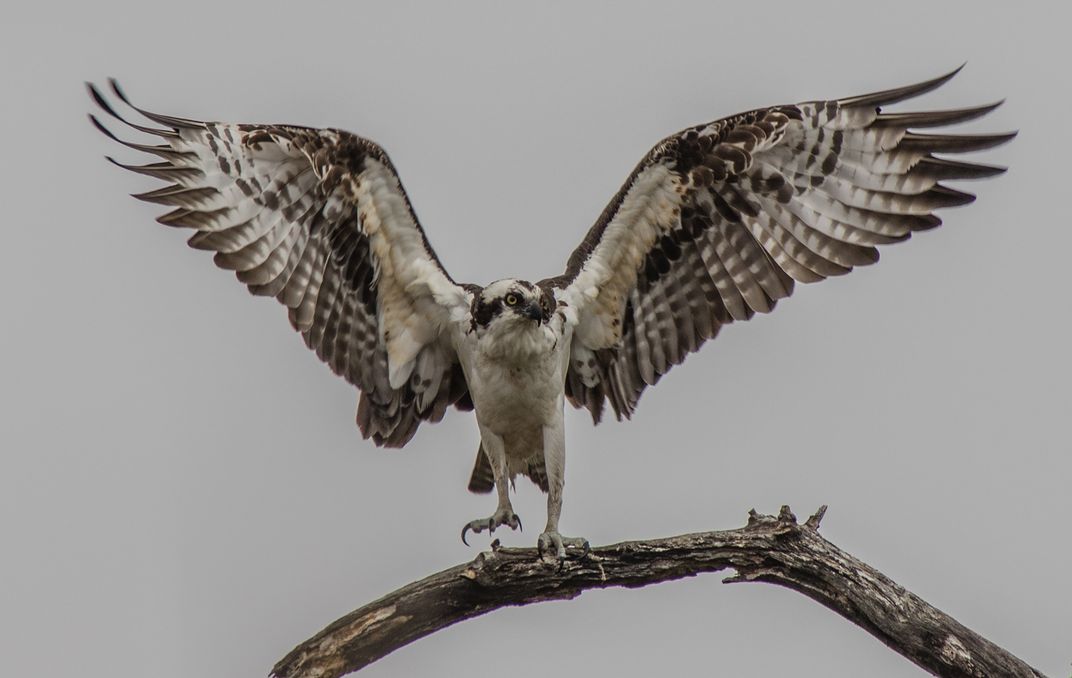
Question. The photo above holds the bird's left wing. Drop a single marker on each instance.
(318, 219)
(718, 222)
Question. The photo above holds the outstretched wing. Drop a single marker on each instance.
(719, 221)
(318, 219)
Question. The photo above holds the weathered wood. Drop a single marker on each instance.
(778, 550)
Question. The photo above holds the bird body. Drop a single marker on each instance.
(516, 378)
(516, 354)
(716, 223)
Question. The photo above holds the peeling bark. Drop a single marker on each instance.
(777, 550)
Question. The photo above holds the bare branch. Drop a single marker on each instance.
(770, 549)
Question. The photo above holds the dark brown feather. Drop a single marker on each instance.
(315, 260)
(770, 200)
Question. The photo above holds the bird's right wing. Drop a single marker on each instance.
(318, 219)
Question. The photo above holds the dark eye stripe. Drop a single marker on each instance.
(483, 313)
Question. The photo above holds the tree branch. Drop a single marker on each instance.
(776, 550)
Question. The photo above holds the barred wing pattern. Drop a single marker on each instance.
(720, 220)
(318, 219)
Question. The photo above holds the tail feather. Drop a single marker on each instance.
(482, 480)
(537, 472)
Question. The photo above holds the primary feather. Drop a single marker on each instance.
(318, 219)
(719, 221)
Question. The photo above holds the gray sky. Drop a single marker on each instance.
(183, 490)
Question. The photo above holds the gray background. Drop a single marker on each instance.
(184, 492)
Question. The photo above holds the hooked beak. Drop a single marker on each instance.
(533, 312)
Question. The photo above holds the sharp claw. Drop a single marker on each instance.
(518, 519)
(473, 525)
(560, 544)
(489, 524)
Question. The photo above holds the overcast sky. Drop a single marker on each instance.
(183, 491)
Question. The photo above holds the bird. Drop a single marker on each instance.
(716, 223)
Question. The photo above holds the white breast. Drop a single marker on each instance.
(516, 376)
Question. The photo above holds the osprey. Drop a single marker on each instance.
(716, 223)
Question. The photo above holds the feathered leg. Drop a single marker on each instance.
(504, 515)
(554, 455)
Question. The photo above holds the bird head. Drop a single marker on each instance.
(512, 302)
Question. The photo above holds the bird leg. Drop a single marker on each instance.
(504, 514)
(554, 454)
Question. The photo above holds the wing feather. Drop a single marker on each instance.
(719, 221)
(318, 219)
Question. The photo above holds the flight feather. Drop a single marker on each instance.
(719, 221)
(318, 219)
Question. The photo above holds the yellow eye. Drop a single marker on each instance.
(511, 300)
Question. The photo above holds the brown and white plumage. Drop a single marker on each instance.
(318, 219)
(716, 223)
(719, 221)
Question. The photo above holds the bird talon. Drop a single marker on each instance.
(549, 541)
(502, 517)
